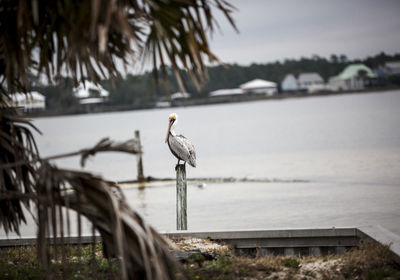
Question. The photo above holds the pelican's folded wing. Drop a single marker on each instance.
(184, 149)
(178, 147)
(191, 150)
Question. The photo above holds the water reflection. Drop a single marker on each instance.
(141, 195)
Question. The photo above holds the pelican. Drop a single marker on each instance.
(180, 147)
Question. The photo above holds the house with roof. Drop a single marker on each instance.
(289, 83)
(180, 95)
(392, 68)
(259, 86)
(353, 77)
(89, 93)
(30, 101)
(178, 98)
(226, 92)
(310, 82)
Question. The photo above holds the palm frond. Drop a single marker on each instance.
(88, 39)
(141, 251)
(106, 145)
(16, 145)
(178, 32)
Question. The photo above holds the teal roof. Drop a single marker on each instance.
(352, 71)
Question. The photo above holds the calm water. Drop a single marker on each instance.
(346, 146)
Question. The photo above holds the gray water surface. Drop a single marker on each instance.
(347, 148)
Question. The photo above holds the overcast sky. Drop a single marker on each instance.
(275, 30)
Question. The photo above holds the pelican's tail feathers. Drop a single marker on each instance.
(192, 158)
(192, 163)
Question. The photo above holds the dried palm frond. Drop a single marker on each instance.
(106, 145)
(89, 39)
(141, 251)
(130, 146)
(178, 33)
(25, 177)
(16, 145)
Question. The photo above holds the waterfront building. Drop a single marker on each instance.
(89, 93)
(180, 95)
(353, 77)
(30, 101)
(392, 68)
(310, 82)
(226, 92)
(178, 98)
(289, 83)
(259, 86)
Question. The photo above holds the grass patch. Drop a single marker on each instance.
(370, 261)
(291, 263)
(21, 263)
(382, 273)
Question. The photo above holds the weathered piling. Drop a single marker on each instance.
(181, 195)
(140, 176)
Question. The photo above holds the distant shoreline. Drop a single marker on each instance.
(237, 99)
(205, 101)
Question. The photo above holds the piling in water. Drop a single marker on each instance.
(140, 176)
(181, 195)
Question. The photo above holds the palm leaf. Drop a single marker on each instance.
(16, 145)
(141, 251)
(86, 38)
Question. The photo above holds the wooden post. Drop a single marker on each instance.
(140, 176)
(181, 194)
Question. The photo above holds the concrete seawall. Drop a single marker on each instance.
(317, 242)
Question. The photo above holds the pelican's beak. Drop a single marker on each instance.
(169, 127)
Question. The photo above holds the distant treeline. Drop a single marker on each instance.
(141, 90)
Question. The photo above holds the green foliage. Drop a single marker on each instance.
(133, 90)
(26, 270)
(60, 96)
(196, 258)
(291, 263)
(395, 80)
(369, 259)
(369, 262)
(21, 263)
(382, 273)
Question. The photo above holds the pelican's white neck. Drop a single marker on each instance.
(172, 130)
(171, 126)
